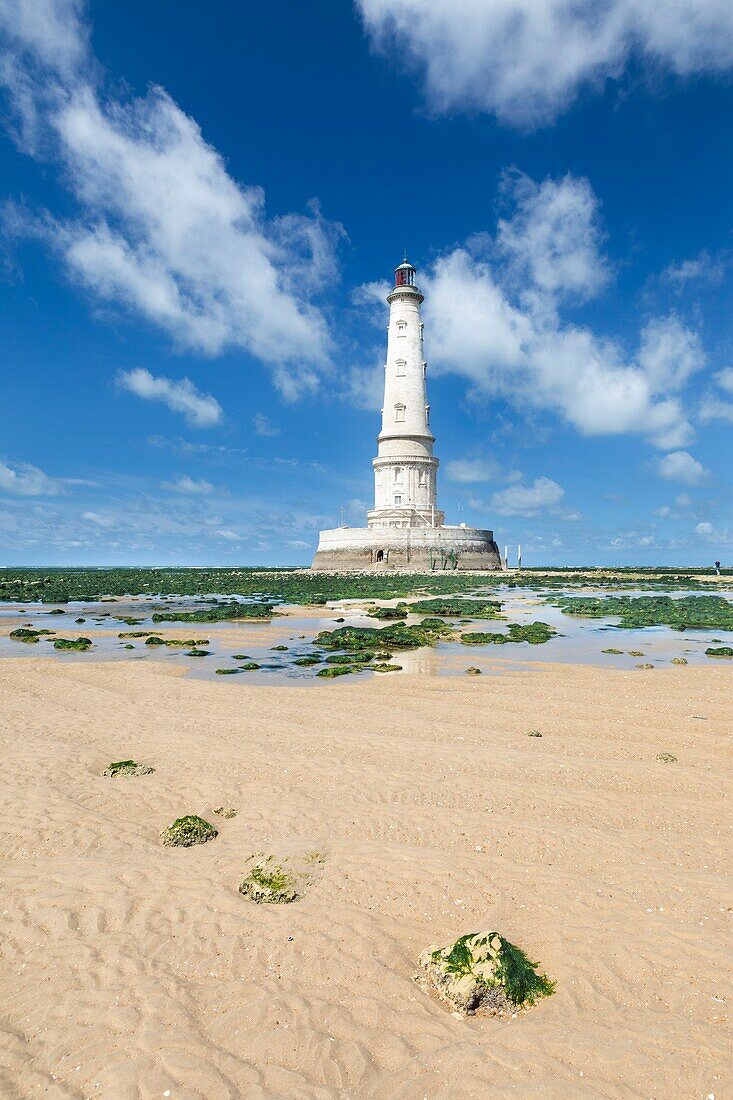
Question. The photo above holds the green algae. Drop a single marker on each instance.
(338, 670)
(720, 651)
(198, 653)
(240, 656)
(220, 612)
(279, 648)
(78, 644)
(25, 634)
(249, 666)
(127, 768)
(635, 612)
(227, 671)
(386, 613)
(271, 883)
(396, 636)
(616, 652)
(186, 831)
(362, 657)
(485, 971)
(307, 661)
(381, 667)
(666, 758)
(536, 633)
(458, 608)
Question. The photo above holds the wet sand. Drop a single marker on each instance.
(130, 970)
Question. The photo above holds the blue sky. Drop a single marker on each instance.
(201, 210)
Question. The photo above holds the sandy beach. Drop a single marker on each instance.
(131, 970)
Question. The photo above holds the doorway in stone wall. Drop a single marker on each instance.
(380, 556)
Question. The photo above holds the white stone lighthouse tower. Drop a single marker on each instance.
(405, 528)
(405, 468)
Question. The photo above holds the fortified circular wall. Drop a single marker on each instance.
(422, 549)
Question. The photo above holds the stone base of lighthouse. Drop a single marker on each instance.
(414, 549)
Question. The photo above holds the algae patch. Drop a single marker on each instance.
(127, 768)
(186, 831)
(484, 972)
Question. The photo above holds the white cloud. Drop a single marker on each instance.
(681, 466)
(163, 230)
(554, 237)
(724, 378)
(506, 335)
(105, 522)
(186, 484)
(702, 268)
(528, 500)
(527, 60)
(201, 410)
(263, 426)
(470, 470)
(24, 480)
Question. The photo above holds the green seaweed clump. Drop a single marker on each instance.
(128, 768)
(615, 652)
(154, 640)
(227, 671)
(381, 667)
(338, 670)
(186, 831)
(484, 971)
(279, 648)
(240, 656)
(249, 666)
(137, 634)
(220, 612)
(306, 661)
(459, 608)
(385, 613)
(535, 633)
(25, 634)
(78, 644)
(713, 612)
(396, 636)
(128, 646)
(362, 657)
(271, 883)
(720, 651)
(198, 653)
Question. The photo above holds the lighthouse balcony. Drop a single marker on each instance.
(406, 516)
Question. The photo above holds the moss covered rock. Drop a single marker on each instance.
(306, 661)
(338, 670)
(198, 653)
(26, 634)
(227, 671)
(78, 644)
(616, 652)
(473, 671)
(271, 882)
(666, 758)
(721, 651)
(484, 972)
(127, 768)
(184, 832)
(249, 666)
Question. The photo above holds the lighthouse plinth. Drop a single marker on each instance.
(405, 529)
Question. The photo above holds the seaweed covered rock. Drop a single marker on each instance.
(666, 758)
(186, 831)
(25, 634)
(127, 768)
(227, 671)
(221, 612)
(249, 666)
(338, 670)
(271, 882)
(459, 608)
(380, 666)
(473, 671)
(306, 661)
(198, 653)
(536, 633)
(484, 972)
(387, 613)
(720, 651)
(396, 636)
(679, 660)
(78, 644)
(362, 657)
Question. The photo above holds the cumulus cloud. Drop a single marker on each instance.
(528, 500)
(681, 466)
(201, 410)
(503, 329)
(713, 406)
(162, 229)
(23, 480)
(527, 60)
(186, 484)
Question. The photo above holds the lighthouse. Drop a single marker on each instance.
(405, 469)
(405, 528)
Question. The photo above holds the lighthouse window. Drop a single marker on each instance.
(402, 328)
(399, 414)
(401, 368)
(421, 477)
(398, 473)
(398, 498)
